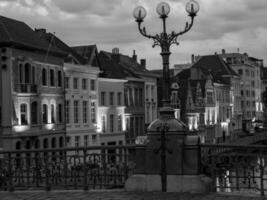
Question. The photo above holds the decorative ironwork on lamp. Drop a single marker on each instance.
(164, 39)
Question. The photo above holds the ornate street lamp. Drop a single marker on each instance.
(164, 39)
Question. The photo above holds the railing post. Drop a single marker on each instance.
(262, 175)
(65, 168)
(10, 175)
(47, 186)
(85, 186)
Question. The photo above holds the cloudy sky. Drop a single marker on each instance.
(232, 25)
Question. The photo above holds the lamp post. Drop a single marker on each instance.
(164, 39)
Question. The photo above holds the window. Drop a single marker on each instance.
(92, 84)
(52, 113)
(67, 112)
(34, 114)
(111, 98)
(59, 78)
(119, 123)
(240, 72)
(119, 98)
(103, 98)
(84, 84)
(77, 141)
(94, 139)
(52, 78)
(252, 74)
(136, 103)
(103, 123)
(67, 79)
(44, 77)
(247, 72)
(76, 111)
(85, 104)
(253, 83)
(33, 75)
(242, 93)
(23, 114)
(27, 73)
(44, 114)
(111, 123)
(93, 114)
(85, 140)
(59, 113)
(75, 83)
(141, 97)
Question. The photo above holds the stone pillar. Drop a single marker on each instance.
(181, 159)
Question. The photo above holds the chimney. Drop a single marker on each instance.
(223, 51)
(134, 56)
(115, 54)
(40, 30)
(143, 63)
(193, 58)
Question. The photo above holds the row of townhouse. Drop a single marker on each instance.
(220, 95)
(53, 95)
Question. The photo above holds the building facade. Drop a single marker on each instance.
(81, 86)
(249, 69)
(32, 89)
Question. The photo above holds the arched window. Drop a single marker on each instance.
(53, 143)
(33, 75)
(52, 113)
(45, 143)
(59, 79)
(18, 145)
(44, 77)
(23, 114)
(61, 142)
(44, 114)
(27, 73)
(52, 78)
(34, 115)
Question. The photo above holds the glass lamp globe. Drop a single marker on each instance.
(163, 9)
(192, 7)
(139, 13)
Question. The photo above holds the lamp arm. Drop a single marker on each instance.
(174, 36)
(155, 38)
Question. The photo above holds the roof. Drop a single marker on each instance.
(18, 34)
(132, 64)
(89, 53)
(56, 42)
(216, 66)
(112, 69)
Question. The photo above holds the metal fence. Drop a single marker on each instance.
(102, 167)
(235, 168)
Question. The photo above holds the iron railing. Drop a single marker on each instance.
(102, 167)
(235, 168)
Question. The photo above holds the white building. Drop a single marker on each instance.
(111, 110)
(81, 86)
